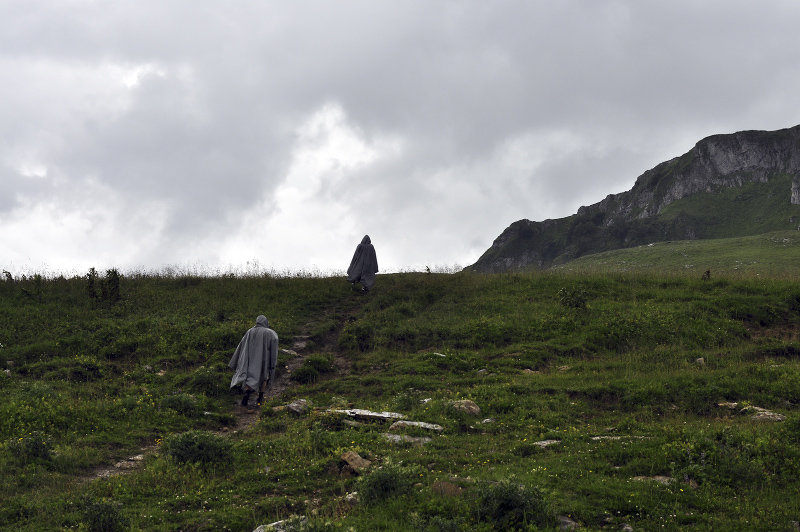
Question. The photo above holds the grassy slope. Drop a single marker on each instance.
(546, 356)
(775, 254)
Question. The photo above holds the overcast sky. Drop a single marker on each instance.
(233, 136)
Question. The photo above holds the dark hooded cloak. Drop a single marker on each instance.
(255, 357)
(364, 265)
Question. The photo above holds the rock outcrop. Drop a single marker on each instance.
(652, 210)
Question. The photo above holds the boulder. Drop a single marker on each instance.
(298, 407)
(355, 461)
(546, 443)
(448, 489)
(467, 406)
(402, 438)
(368, 415)
(398, 425)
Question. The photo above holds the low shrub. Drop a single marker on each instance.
(182, 403)
(510, 505)
(383, 483)
(104, 516)
(208, 381)
(305, 374)
(198, 446)
(321, 363)
(33, 446)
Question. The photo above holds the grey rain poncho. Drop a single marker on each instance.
(364, 265)
(256, 356)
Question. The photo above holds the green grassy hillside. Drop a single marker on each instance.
(601, 402)
(775, 254)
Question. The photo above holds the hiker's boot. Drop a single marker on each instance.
(246, 398)
(260, 399)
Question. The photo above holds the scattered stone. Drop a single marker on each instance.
(426, 400)
(440, 355)
(299, 407)
(700, 361)
(300, 342)
(564, 368)
(289, 352)
(763, 414)
(355, 461)
(601, 438)
(161, 373)
(627, 528)
(293, 523)
(351, 498)
(368, 414)
(397, 425)
(546, 443)
(529, 371)
(483, 371)
(565, 523)
(448, 489)
(756, 412)
(488, 420)
(402, 438)
(661, 479)
(7, 372)
(465, 405)
(148, 367)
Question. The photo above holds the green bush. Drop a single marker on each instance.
(104, 516)
(357, 337)
(383, 483)
(510, 505)
(182, 403)
(321, 363)
(197, 446)
(572, 298)
(32, 446)
(209, 382)
(305, 374)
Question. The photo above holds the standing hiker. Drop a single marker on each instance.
(253, 362)
(364, 265)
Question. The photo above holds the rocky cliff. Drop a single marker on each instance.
(727, 185)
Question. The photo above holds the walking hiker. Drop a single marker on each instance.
(364, 265)
(253, 362)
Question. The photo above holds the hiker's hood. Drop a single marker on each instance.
(261, 321)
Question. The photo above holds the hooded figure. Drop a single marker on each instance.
(364, 265)
(253, 362)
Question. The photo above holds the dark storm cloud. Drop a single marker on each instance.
(184, 126)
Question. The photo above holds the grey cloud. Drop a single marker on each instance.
(209, 130)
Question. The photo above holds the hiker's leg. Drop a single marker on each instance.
(261, 391)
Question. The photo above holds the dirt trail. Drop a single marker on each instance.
(245, 417)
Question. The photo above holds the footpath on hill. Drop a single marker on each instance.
(299, 349)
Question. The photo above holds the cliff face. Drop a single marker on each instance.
(663, 203)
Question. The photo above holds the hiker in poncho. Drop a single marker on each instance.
(364, 265)
(254, 361)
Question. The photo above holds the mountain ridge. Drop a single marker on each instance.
(727, 185)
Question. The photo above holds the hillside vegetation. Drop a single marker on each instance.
(775, 254)
(605, 400)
